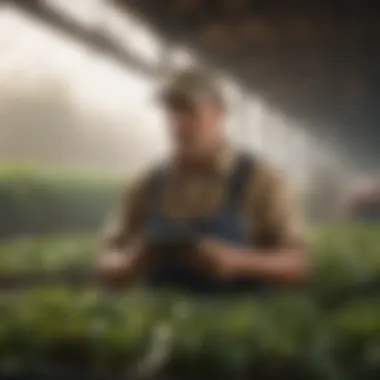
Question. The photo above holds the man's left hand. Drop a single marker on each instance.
(225, 261)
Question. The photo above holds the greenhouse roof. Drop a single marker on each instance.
(315, 60)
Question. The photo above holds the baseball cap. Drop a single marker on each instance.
(189, 87)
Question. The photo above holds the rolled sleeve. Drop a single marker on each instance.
(277, 220)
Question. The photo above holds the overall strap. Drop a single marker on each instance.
(240, 176)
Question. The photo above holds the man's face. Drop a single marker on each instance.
(194, 126)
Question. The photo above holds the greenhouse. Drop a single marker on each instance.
(78, 123)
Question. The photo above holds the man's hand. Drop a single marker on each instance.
(224, 261)
(218, 259)
(118, 266)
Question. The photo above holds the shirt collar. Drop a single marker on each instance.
(226, 160)
(219, 164)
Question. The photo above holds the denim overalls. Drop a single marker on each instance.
(226, 224)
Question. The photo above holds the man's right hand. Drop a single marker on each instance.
(117, 267)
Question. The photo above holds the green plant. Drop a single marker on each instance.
(42, 202)
(278, 336)
(43, 254)
(285, 337)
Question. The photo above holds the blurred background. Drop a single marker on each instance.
(78, 121)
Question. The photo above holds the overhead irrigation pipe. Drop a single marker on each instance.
(95, 38)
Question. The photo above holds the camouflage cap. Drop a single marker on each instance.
(191, 87)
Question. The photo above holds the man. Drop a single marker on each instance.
(242, 230)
